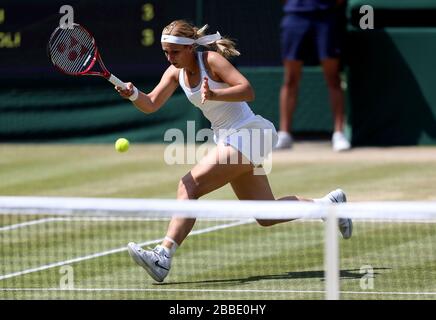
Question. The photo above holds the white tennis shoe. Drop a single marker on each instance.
(155, 262)
(284, 141)
(340, 142)
(345, 225)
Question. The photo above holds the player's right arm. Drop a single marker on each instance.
(152, 101)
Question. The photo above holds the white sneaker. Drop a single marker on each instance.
(345, 225)
(284, 140)
(340, 142)
(155, 262)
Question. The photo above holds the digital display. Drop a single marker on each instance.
(128, 33)
(128, 36)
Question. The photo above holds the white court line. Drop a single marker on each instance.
(84, 219)
(125, 219)
(112, 251)
(392, 293)
(216, 290)
(27, 223)
(167, 289)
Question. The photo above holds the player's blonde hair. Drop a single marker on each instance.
(182, 28)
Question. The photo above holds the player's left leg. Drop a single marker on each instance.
(256, 187)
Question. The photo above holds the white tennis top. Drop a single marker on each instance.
(221, 114)
(233, 123)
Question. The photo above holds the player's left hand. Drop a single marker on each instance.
(206, 93)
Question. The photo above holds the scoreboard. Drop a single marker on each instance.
(128, 32)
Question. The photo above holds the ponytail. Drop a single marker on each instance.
(223, 46)
(181, 28)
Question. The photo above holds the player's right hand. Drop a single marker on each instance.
(125, 93)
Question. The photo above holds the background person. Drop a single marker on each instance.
(307, 24)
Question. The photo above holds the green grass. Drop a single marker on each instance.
(239, 262)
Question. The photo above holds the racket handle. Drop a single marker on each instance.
(117, 82)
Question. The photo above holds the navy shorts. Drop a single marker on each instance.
(305, 34)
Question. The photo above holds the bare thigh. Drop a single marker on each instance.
(252, 187)
(257, 187)
(214, 170)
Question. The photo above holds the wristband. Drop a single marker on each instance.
(134, 95)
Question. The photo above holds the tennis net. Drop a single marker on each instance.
(75, 248)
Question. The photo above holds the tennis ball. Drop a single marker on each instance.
(122, 145)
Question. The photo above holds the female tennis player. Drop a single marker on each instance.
(212, 84)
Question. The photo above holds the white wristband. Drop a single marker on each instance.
(134, 95)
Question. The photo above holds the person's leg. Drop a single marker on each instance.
(331, 68)
(214, 171)
(295, 28)
(256, 187)
(289, 93)
(337, 101)
(330, 33)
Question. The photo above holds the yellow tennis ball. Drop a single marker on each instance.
(122, 145)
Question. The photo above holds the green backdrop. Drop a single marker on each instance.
(95, 113)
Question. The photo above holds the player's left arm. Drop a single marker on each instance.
(239, 87)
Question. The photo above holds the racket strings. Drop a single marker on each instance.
(67, 51)
(59, 48)
(72, 49)
(84, 53)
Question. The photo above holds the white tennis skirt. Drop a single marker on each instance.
(254, 138)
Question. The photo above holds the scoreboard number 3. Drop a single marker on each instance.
(147, 12)
(147, 37)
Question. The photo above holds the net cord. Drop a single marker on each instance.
(396, 210)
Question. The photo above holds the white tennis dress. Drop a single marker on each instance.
(233, 123)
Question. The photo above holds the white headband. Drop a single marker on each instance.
(211, 38)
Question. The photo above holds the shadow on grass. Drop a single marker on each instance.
(317, 274)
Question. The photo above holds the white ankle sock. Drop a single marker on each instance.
(170, 251)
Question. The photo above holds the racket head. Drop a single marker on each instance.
(73, 51)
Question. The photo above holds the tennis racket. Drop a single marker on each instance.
(74, 52)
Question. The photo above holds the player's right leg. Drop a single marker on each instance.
(214, 171)
(156, 262)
